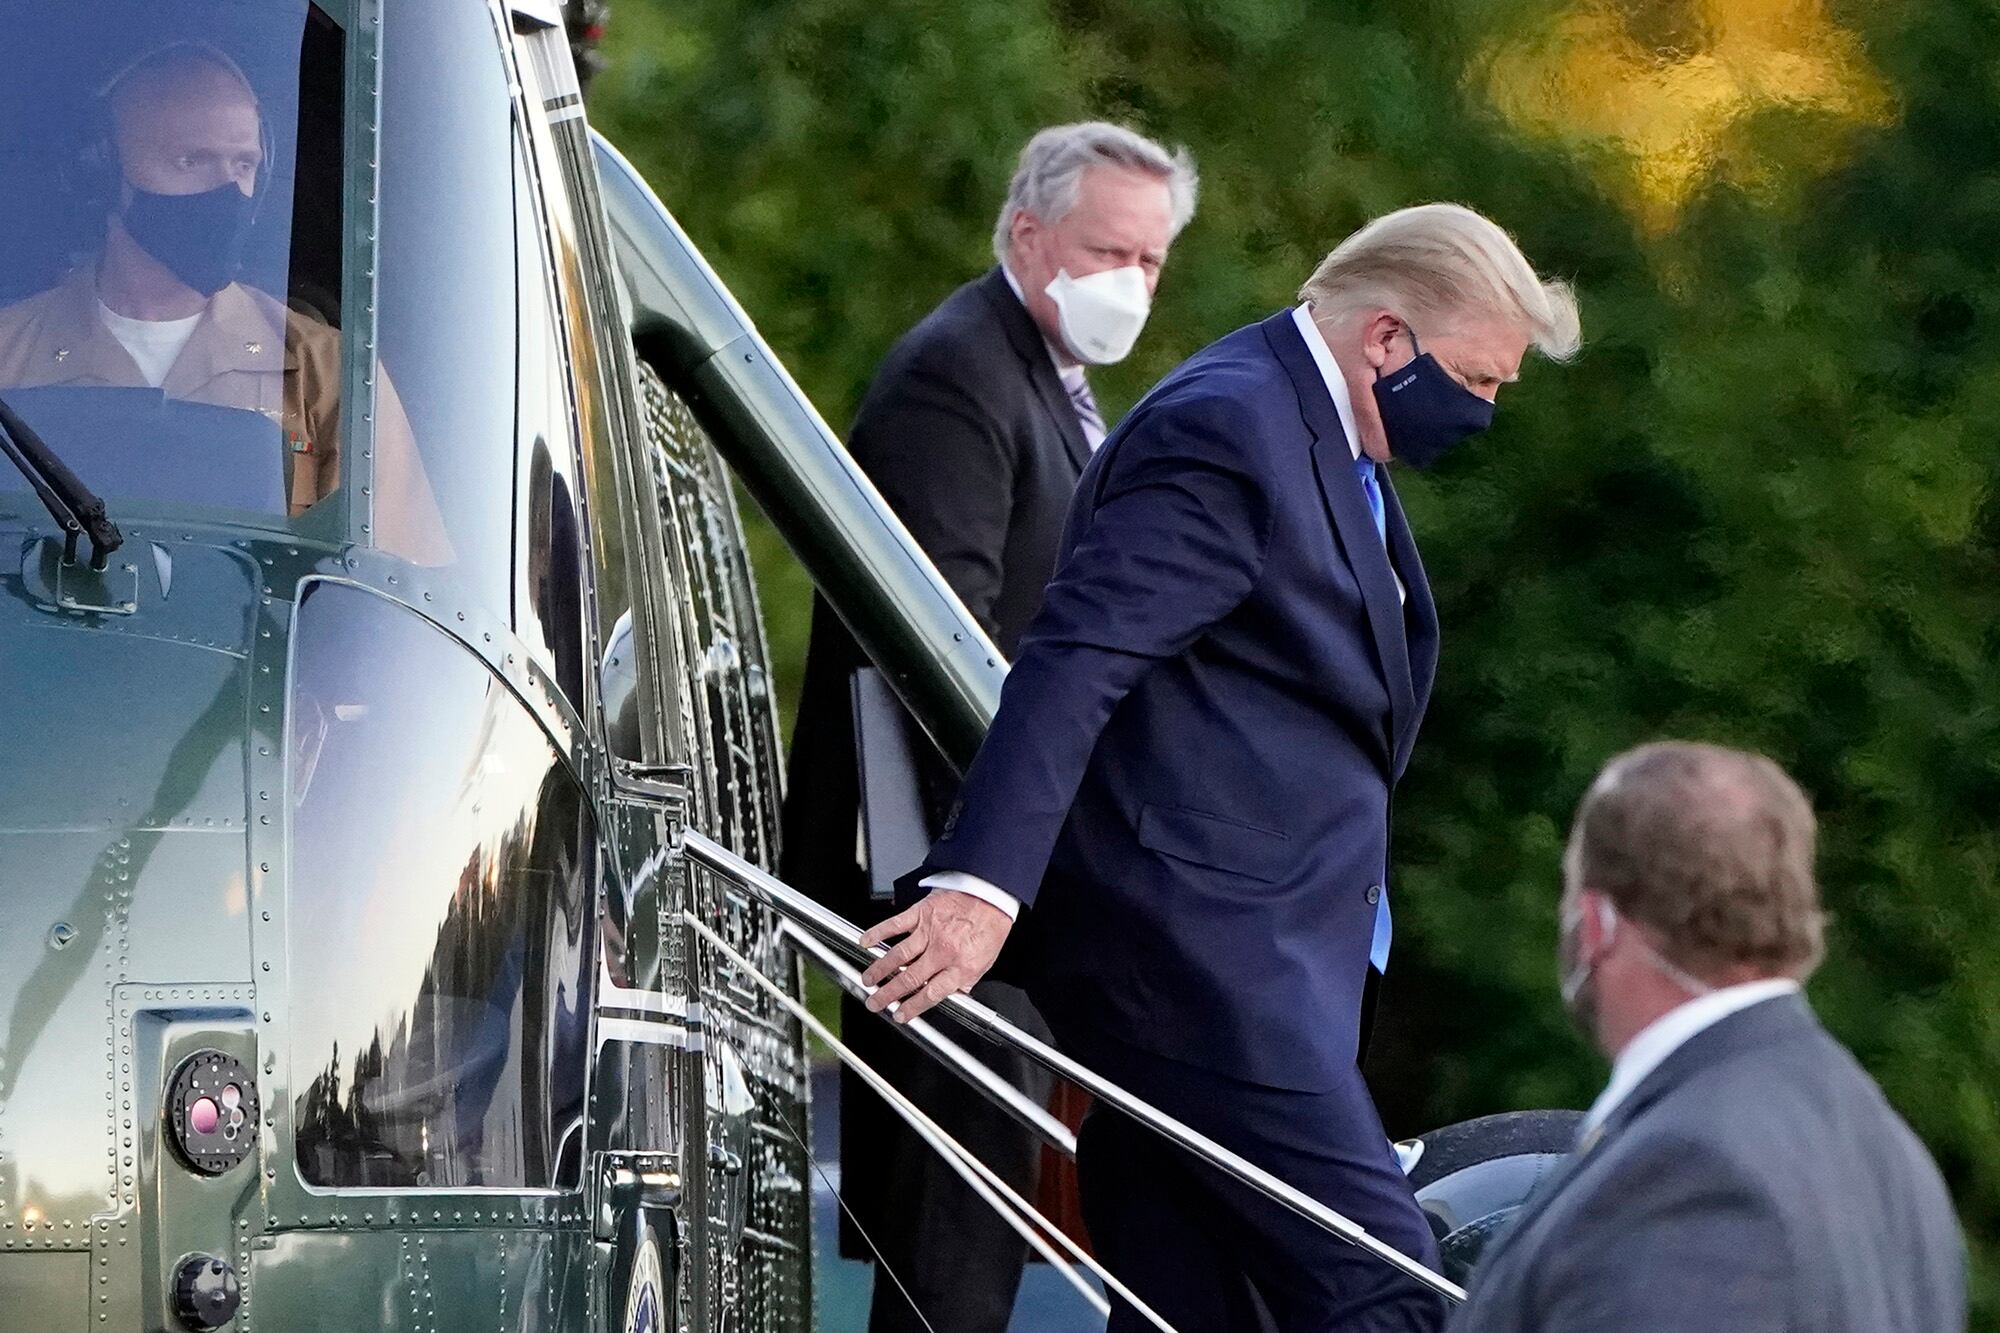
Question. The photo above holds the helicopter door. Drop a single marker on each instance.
(645, 1123)
(693, 739)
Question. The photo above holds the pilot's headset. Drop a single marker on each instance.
(97, 179)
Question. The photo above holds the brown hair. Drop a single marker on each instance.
(1712, 849)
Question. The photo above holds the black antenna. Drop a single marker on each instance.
(75, 508)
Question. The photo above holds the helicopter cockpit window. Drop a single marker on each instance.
(441, 913)
(446, 322)
(170, 248)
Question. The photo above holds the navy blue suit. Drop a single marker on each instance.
(1188, 784)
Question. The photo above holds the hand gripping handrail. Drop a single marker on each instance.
(996, 1193)
(830, 926)
(1025, 1110)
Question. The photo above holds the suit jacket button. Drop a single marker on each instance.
(951, 820)
(1374, 894)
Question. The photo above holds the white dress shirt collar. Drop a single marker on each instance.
(1343, 404)
(1329, 370)
(1668, 1033)
(1070, 370)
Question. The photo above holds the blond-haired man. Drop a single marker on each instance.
(1740, 1171)
(1187, 785)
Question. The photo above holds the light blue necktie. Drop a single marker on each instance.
(1364, 468)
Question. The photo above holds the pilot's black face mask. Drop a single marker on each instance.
(1425, 411)
(199, 237)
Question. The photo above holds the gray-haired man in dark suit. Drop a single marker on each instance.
(1740, 1171)
(975, 430)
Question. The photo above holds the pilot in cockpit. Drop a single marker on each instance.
(176, 168)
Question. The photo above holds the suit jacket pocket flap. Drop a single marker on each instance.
(1216, 841)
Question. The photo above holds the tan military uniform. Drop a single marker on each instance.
(247, 352)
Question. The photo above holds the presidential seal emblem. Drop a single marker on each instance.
(643, 1312)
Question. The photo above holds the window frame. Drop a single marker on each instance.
(547, 415)
(592, 315)
(340, 518)
(333, 520)
(289, 1085)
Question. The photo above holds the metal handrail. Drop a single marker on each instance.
(1029, 1113)
(830, 926)
(995, 1192)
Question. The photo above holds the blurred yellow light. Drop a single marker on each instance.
(1662, 84)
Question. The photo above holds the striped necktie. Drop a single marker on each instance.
(1087, 414)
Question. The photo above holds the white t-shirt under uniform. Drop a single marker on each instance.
(154, 344)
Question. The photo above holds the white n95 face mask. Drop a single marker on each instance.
(1100, 314)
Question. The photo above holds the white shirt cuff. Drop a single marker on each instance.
(957, 881)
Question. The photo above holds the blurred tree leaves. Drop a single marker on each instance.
(1762, 508)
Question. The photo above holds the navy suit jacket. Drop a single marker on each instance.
(1188, 779)
(969, 435)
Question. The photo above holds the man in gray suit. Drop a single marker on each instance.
(1740, 1171)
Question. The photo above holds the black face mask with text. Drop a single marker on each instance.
(199, 237)
(1425, 411)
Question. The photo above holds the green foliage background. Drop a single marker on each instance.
(1761, 508)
